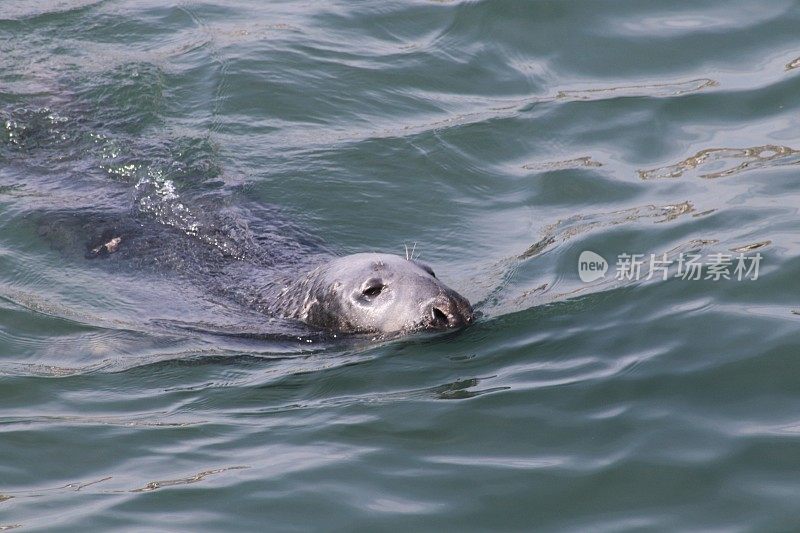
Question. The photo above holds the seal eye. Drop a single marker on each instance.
(373, 290)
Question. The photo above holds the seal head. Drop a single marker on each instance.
(376, 293)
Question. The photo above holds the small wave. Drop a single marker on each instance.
(29, 10)
(481, 110)
(200, 476)
(704, 164)
(121, 421)
(585, 161)
(149, 486)
(506, 298)
(750, 247)
(653, 90)
(575, 225)
(27, 128)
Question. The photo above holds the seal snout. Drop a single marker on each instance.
(450, 311)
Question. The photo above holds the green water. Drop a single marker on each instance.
(504, 138)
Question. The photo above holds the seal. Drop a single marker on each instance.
(284, 277)
(373, 293)
(193, 232)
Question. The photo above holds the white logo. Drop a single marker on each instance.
(591, 266)
(691, 266)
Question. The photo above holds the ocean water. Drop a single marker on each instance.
(504, 138)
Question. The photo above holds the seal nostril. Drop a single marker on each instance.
(439, 316)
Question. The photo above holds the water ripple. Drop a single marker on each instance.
(505, 137)
(712, 163)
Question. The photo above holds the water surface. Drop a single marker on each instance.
(504, 138)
